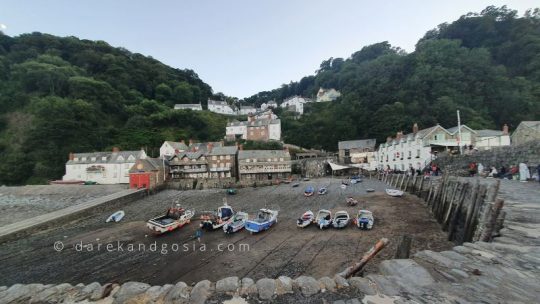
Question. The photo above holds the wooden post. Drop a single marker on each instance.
(492, 215)
(404, 247)
(350, 271)
(421, 185)
(471, 227)
(470, 209)
(457, 213)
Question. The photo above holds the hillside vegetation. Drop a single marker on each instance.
(486, 65)
(61, 95)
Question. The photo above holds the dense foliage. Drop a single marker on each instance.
(486, 65)
(61, 95)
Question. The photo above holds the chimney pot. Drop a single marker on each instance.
(209, 147)
(505, 129)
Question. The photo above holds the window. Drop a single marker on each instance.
(418, 153)
(93, 159)
(126, 166)
(281, 159)
(214, 157)
(76, 159)
(104, 158)
(228, 157)
(84, 159)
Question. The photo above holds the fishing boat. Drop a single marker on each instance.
(341, 219)
(237, 223)
(356, 179)
(370, 190)
(175, 217)
(295, 185)
(216, 220)
(394, 192)
(324, 218)
(231, 191)
(343, 186)
(309, 191)
(306, 179)
(322, 191)
(351, 201)
(263, 221)
(306, 219)
(364, 220)
(116, 217)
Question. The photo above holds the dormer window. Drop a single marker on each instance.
(131, 157)
(120, 158)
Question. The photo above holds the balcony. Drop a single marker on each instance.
(221, 169)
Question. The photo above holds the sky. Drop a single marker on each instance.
(241, 47)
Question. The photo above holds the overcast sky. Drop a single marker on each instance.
(241, 47)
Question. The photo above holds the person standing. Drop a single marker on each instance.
(198, 234)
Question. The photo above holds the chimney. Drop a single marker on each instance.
(182, 141)
(241, 147)
(399, 135)
(222, 142)
(415, 128)
(71, 156)
(270, 115)
(190, 141)
(209, 147)
(115, 149)
(251, 118)
(389, 139)
(505, 129)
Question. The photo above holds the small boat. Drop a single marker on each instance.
(295, 185)
(341, 219)
(306, 219)
(394, 192)
(370, 190)
(356, 179)
(238, 223)
(306, 179)
(351, 201)
(176, 217)
(309, 191)
(231, 191)
(322, 191)
(343, 186)
(216, 220)
(66, 182)
(364, 220)
(264, 220)
(116, 217)
(324, 218)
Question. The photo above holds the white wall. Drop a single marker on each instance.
(275, 131)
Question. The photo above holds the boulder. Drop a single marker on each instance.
(20, 293)
(200, 292)
(247, 287)
(308, 285)
(130, 290)
(86, 291)
(384, 285)
(156, 292)
(53, 294)
(284, 285)
(266, 288)
(229, 284)
(327, 283)
(363, 285)
(341, 282)
(177, 293)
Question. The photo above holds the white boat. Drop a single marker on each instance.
(116, 217)
(237, 223)
(341, 219)
(322, 191)
(264, 220)
(343, 186)
(216, 220)
(306, 219)
(370, 190)
(324, 218)
(364, 220)
(394, 192)
(176, 217)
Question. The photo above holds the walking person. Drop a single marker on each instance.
(198, 234)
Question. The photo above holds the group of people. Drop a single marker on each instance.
(520, 171)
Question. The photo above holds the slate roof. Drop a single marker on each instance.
(357, 144)
(111, 157)
(244, 154)
(178, 145)
(150, 164)
(180, 106)
(488, 133)
(226, 150)
(531, 124)
(454, 130)
(256, 123)
(217, 102)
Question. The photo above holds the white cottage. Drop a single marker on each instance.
(295, 104)
(169, 148)
(188, 106)
(220, 107)
(102, 167)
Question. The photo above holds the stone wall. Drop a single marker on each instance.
(508, 155)
(312, 167)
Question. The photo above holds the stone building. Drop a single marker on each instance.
(246, 110)
(222, 161)
(525, 132)
(102, 167)
(295, 104)
(169, 148)
(148, 173)
(257, 129)
(360, 152)
(188, 165)
(264, 165)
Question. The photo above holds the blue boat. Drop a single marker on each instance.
(264, 220)
(309, 191)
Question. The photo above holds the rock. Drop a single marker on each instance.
(266, 288)
(54, 294)
(341, 282)
(229, 284)
(87, 291)
(3, 288)
(383, 284)
(308, 285)
(437, 258)
(200, 292)
(461, 249)
(407, 270)
(102, 292)
(177, 293)
(284, 285)
(156, 292)
(129, 290)
(247, 287)
(327, 283)
(362, 284)
(20, 293)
